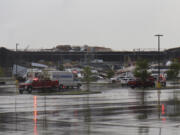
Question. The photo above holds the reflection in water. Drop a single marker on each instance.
(131, 112)
(44, 119)
(163, 113)
(15, 113)
(162, 109)
(144, 113)
(87, 115)
(35, 115)
(159, 102)
(159, 131)
(143, 131)
(142, 97)
(173, 107)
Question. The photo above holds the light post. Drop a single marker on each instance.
(158, 35)
(158, 81)
(16, 83)
(16, 57)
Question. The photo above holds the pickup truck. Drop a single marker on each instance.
(30, 85)
(139, 83)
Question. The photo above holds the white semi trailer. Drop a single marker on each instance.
(65, 79)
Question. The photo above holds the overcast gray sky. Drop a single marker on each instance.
(118, 24)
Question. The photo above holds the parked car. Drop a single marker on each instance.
(115, 79)
(138, 83)
(162, 79)
(30, 85)
(121, 79)
(125, 80)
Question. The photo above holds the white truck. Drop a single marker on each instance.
(65, 79)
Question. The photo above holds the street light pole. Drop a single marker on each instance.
(158, 81)
(16, 57)
(16, 82)
(158, 35)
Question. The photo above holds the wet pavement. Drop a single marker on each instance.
(117, 111)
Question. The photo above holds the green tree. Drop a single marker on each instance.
(172, 73)
(61, 68)
(87, 76)
(141, 70)
(110, 73)
(1, 72)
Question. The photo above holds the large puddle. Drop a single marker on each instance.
(117, 111)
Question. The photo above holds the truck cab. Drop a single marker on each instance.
(36, 84)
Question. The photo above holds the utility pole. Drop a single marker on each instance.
(158, 79)
(16, 83)
(16, 57)
(159, 36)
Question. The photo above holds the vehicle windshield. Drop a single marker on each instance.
(28, 81)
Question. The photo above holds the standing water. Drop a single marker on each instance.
(113, 111)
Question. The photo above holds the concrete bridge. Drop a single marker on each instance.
(8, 57)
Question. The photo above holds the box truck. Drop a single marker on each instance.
(65, 79)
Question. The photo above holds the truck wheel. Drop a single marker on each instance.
(61, 86)
(113, 81)
(55, 88)
(164, 84)
(29, 90)
(21, 91)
